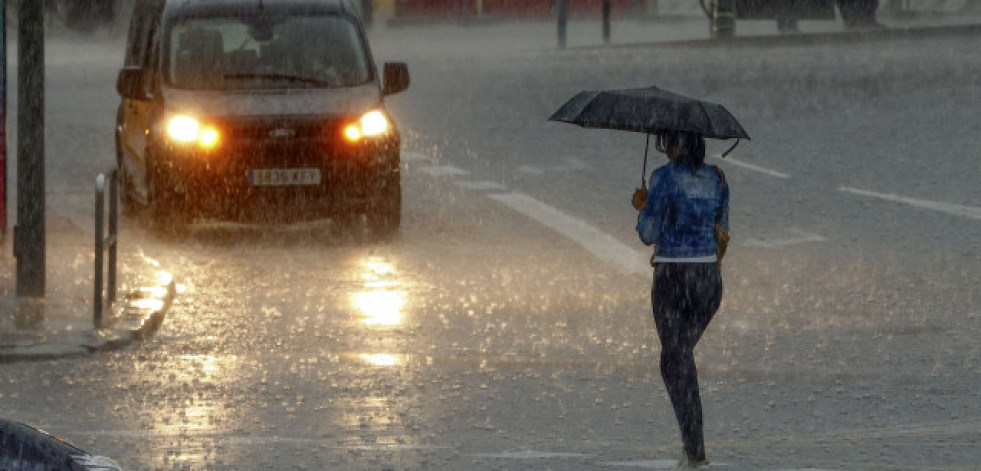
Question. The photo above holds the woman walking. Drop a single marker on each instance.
(678, 217)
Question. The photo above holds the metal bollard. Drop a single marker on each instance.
(723, 19)
(105, 242)
(900, 7)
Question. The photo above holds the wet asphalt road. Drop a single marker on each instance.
(481, 338)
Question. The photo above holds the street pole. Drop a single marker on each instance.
(3, 119)
(606, 21)
(29, 240)
(562, 23)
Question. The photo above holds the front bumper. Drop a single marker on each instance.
(216, 183)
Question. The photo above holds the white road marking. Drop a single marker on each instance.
(949, 208)
(650, 464)
(597, 242)
(571, 165)
(256, 440)
(592, 239)
(392, 447)
(443, 170)
(536, 171)
(119, 433)
(802, 237)
(414, 157)
(755, 168)
(482, 185)
(655, 464)
(530, 455)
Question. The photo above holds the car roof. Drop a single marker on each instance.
(209, 7)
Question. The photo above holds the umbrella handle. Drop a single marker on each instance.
(731, 148)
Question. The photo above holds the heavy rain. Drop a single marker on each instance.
(506, 322)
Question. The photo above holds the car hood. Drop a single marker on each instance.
(348, 101)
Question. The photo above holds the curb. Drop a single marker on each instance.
(136, 317)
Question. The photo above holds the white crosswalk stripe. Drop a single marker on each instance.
(481, 185)
(443, 170)
(949, 208)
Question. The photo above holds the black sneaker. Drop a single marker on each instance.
(687, 463)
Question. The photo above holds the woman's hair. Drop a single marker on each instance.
(691, 145)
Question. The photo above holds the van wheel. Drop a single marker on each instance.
(167, 214)
(386, 217)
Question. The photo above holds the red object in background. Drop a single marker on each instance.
(548, 8)
(434, 8)
(3, 119)
(506, 9)
(3, 171)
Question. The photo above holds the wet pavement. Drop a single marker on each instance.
(489, 335)
(61, 324)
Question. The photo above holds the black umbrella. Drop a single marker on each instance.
(649, 110)
(652, 110)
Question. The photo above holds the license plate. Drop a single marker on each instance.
(284, 176)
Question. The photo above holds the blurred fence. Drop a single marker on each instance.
(383, 10)
(530, 9)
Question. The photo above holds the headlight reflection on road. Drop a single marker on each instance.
(380, 359)
(151, 298)
(381, 303)
(203, 411)
(380, 307)
(147, 304)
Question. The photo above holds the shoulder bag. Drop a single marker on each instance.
(721, 236)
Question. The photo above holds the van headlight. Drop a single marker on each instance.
(185, 129)
(373, 123)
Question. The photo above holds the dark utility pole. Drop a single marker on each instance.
(606, 21)
(563, 21)
(3, 119)
(29, 240)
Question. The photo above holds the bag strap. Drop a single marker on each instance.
(722, 176)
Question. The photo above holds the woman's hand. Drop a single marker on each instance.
(639, 199)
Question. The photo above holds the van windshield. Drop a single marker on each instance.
(213, 53)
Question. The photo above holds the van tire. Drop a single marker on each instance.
(386, 216)
(167, 215)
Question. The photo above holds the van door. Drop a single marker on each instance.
(137, 112)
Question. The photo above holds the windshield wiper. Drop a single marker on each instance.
(289, 78)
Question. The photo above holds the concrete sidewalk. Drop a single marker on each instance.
(61, 323)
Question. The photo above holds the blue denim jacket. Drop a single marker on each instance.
(679, 218)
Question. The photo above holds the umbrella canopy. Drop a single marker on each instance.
(650, 110)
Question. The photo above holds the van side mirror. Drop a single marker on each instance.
(395, 78)
(129, 83)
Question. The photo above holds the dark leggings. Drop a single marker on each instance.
(685, 296)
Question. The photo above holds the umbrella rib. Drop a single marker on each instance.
(708, 117)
